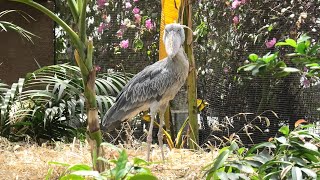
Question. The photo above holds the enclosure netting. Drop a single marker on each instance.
(223, 44)
(227, 46)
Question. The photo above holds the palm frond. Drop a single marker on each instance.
(4, 25)
(52, 97)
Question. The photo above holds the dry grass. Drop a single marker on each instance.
(29, 161)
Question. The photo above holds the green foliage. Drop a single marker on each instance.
(49, 104)
(5, 25)
(122, 168)
(305, 55)
(295, 155)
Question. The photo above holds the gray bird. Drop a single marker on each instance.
(153, 87)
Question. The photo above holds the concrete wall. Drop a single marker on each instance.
(17, 55)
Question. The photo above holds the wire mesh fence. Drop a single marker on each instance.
(252, 107)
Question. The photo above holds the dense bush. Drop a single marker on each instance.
(294, 155)
(49, 104)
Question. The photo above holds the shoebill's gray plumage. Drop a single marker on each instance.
(153, 87)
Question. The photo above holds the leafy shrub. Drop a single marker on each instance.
(49, 104)
(294, 155)
(122, 168)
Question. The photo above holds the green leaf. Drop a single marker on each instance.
(233, 146)
(314, 49)
(138, 44)
(310, 146)
(49, 174)
(290, 69)
(291, 42)
(261, 145)
(242, 167)
(138, 161)
(88, 173)
(256, 70)
(281, 74)
(73, 177)
(253, 57)
(268, 58)
(250, 67)
(285, 171)
(79, 167)
(143, 177)
(281, 64)
(281, 44)
(284, 130)
(220, 160)
(301, 48)
(296, 173)
(59, 163)
(303, 38)
(309, 172)
(282, 140)
(121, 165)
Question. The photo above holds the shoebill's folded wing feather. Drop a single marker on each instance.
(145, 87)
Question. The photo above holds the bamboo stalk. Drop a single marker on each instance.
(191, 81)
(88, 73)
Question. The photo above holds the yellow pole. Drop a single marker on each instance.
(169, 14)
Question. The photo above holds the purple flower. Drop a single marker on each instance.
(149, 24)
(124, 44)
(271, 43)
(101, 27)
(119, 33)
(128, 5)
(137, 18)
(235, 20)
(97, 68)
(235, 4)
(135, 0)
(101, 3)
(136, 10)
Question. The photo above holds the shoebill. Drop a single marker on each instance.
(153, 87)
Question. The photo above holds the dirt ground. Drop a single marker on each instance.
(29, 161)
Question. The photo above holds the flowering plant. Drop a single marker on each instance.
(121, 29)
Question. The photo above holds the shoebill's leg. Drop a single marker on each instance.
(149, 137)
(160, 132)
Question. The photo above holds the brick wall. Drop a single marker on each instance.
(19, 56)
